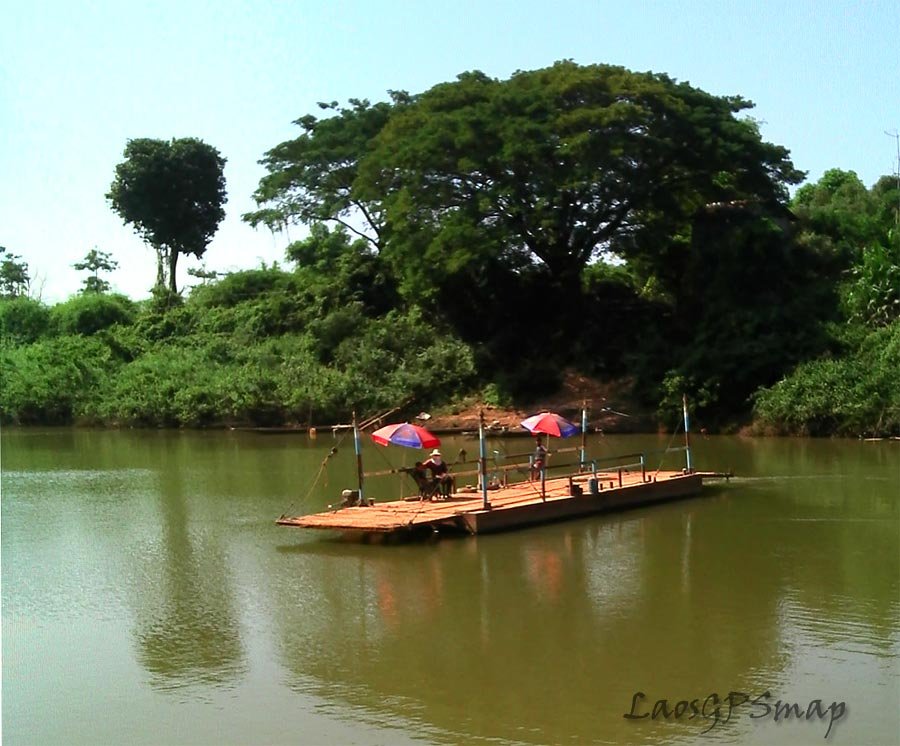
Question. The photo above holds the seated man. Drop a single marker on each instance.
(427, 487)
(440, 473)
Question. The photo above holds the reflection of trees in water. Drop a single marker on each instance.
(545, 635)
(186, 630)
(550, 630)
(827, 509)
(839, 564)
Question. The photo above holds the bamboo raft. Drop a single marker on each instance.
(513, 506)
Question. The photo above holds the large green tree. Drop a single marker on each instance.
(858, 231)
(312, 178)
(487, 196)
(173, 193)
(545, 170)
(555, 166)
(342, 271)
(839, 212)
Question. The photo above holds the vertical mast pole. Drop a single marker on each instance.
(583, 435)
(687, 433)
(544, 468)
(357, 446)
(482, 463)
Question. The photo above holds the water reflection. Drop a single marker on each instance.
(186, 630)
(517, 641)
(786, 579)
(545, 635)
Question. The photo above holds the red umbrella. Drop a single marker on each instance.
(550, 423)
(405, 434)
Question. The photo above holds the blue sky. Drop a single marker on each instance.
(78, 79)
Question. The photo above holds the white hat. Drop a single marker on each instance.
(435, 452)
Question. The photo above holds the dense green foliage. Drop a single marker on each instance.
(172, 193)
(259, 347)
(857, 393)
(492, 202)
(22, 321)
(855, 388)
(483, 237)
(91, 313)
(55, 380)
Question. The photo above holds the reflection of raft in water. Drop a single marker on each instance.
(513, 506)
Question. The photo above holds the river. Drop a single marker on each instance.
(149, 597)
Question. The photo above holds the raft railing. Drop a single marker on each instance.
(499, 473)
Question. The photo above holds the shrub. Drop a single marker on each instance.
(22, 320)
(90, 313)
(167, 386)
(54, 381)
(856, 394)
(240, 287)
(400, 357)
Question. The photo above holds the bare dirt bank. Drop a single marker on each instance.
(611, 408)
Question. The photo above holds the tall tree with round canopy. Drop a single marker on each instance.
(172, 192)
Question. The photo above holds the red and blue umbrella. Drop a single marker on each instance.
(405, 434)
(550, 423)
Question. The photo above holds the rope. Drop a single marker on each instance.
(663, 457)
(315, 480)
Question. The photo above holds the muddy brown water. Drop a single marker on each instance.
(148, 597)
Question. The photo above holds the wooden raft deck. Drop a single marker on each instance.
(514, 506)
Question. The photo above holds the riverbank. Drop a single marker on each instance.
(612, 408)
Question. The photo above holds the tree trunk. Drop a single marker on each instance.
(160, 267)
(173, 261)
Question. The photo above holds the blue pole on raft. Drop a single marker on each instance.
(544, 470)
(482, 463)
(583, 436)
(357, 446)
(687, 433)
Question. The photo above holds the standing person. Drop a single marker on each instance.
(440, 473)
(539, 460)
